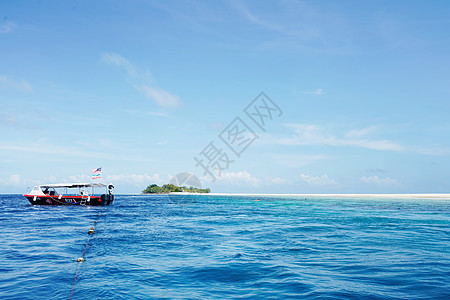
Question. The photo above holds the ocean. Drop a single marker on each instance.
(227, 247)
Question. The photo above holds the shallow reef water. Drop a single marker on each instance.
(218, 247)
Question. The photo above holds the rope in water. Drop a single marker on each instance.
(81, 259)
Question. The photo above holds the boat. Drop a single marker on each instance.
(70, 194)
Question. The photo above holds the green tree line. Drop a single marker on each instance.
(171, 188)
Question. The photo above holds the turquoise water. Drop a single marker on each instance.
(217, 247)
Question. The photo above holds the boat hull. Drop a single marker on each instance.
(104, 199)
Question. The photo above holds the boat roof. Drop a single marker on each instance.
(72, 185)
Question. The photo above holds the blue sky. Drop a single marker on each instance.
(140, 88)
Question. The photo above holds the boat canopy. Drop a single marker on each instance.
(72, 185)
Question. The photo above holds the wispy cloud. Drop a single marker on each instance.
(379, 181)
(310, 134)
(131, 71)
(18, 181)
(437, 151)
(297, 160)
(161, 97)
(21, 85)
(244, 178)
(158, 114)
(318, 180)
(149, 113)
(133, 179)
(136, 179)
(240, 178)
(376, 170)
(317, 92)
(12, 180)
(7, 26)
(252, 17)
(78, 178)
(360, 132)
(141, 80)
(8, 119)
(299, 24)
(276, 180)
(44, 147)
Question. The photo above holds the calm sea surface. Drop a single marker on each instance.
(217, 247)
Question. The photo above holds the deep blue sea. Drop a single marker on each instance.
(227, 247)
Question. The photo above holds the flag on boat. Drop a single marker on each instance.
(97, 173)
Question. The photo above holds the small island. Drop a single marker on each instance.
(171, 188)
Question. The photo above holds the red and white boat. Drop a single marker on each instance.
(70, 194)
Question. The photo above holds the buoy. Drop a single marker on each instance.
(95, 221)
(91, 231)
(80, 259)
(257, 200)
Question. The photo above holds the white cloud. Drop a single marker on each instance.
(79, 178)
(358, 133)
(317, 92)
(437, 151)
(161, 97)
(297, 160)
(382, 145)
(6, 27)
(157, 114)
(319, 29)
(241, 178)
(149, 113)
(251, 17)
(8, 119)
(244, 178)
(119, 61)
(376, 170)
(21, 85)
(14, 179)
(318, 180)
(276, 180)
(44, 147)
(217, 126)
(310, 134)
(379, 181)
(136, 179)
(122, 179)
(142, 81)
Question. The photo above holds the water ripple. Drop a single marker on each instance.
(217, 247)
